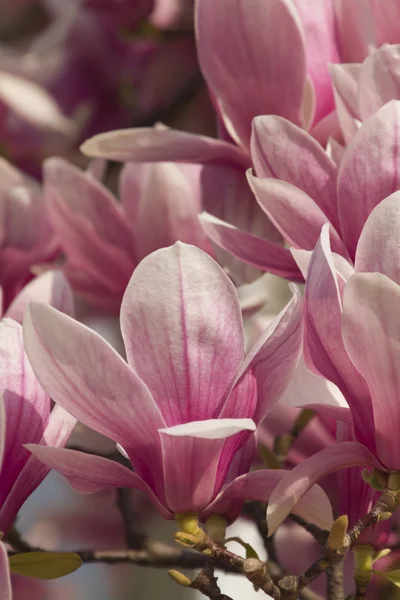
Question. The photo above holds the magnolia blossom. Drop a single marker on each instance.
(26, 235)
(25, 407)
(362, 89)
(300, 188)
(104, 240)
(343, 312)
(184, 407)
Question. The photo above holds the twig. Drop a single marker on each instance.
(320, 535)
(283, 443)
(206, 583)
(254, 569)
(334, 581)
(134, 538)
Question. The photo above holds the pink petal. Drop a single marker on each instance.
(51, 288)
(26, 404)
(345, 80)
(362, 182)
(57, 433)
(254, 250)
(318, 21)
(371, 335)
(306, 388)
(378, 248)
(184, 337)
(33, 104)
(298, 481)
(5, 588)
(192, 460)
(314, 506)
(294, 213)
(264, 71)
(379, 80)
(274, 357)
(85, 375)
(167, 211)
(226, 195)
(153, 145)
(335, 150)
(282, 150)
(386, 20)
(356, 29)
(82, 195)
(88, 473)
(324, 349)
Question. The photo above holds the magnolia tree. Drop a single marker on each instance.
(208, 334)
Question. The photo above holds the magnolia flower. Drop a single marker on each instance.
(362, 89)
(26, 415)
(26, 235)
(351, 338)
(104, 240)
(184, 407)
(300, 188)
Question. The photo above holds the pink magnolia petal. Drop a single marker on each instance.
(356, 29)
(168, 211)
(87, 377)
(225, 193)
(254, 250)
(26, 404)
(51, 288)
(97, 168)
(314, 506)
(307, 388)
(260, 73)
(386, 21)
(318, 21)
(88, 473)
(363, 183)
(323, 344)
(90, 256)
(283, 151)
(153, 145)
(273, 359)
(294, 213)
(335, 150)
(57, 433)
(5, 578)
(378, 248)
(192, 461)
(379, 80)
(83, 195)
(345, 79)
(371, 335)
(298, 481)
(184, 337)
(33, 104)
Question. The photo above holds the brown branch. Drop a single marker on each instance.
(320, 535)
(206, 583)
(135, 539)
(334, 581)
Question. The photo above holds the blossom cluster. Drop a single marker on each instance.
(250, 272)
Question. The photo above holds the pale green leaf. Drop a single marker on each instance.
(44, 565)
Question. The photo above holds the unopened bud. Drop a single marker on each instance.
(338, 533)
(180, 578)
